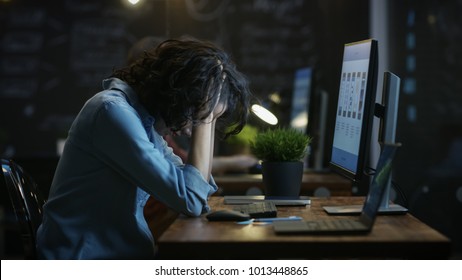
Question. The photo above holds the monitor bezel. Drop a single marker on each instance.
(369, 108)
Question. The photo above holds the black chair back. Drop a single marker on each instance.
(27, 204)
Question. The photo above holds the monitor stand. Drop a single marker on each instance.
(385, 207)
(387, 112)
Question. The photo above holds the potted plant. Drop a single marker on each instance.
(281, 151)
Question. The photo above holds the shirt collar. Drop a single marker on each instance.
(132, 98)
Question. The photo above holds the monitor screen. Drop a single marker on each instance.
(355, 108)
(301, 99)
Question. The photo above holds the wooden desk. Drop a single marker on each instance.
(393, 237)
(238, 184)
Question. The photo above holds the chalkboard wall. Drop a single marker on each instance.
(54, 54)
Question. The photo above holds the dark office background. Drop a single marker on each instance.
(54, 54)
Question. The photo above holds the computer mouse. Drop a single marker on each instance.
(227, 215)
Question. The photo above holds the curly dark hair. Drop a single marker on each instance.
(180, 80)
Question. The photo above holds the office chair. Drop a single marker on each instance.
(27, 204)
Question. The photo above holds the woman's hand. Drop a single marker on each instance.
(220, 108)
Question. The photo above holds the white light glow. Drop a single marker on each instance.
(264, 114)
(275, 97)
(300, 121)
(133, 2)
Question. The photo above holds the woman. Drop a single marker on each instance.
(115, 156)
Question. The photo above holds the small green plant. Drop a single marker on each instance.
(280, 144)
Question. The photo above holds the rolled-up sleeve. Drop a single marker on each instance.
(194, 177)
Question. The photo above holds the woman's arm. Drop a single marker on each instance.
(201, 148)
(202, 143)
(135, 157)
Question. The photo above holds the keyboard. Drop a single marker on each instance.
(263, 209)
(350, 226)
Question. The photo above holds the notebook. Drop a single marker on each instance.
(277, 200)
(353, 224)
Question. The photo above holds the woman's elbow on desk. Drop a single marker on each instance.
(193, 209)
(192, 206)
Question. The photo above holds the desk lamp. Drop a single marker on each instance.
(264, 114)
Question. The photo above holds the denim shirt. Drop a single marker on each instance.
(112, 161)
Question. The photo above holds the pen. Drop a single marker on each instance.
(270, 220)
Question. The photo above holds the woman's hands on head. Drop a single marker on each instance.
(219, 109)
(219, 106)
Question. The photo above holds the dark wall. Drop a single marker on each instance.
(54, 54)
(426, 52)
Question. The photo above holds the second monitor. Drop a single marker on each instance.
(354, 118)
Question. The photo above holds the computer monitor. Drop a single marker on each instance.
(355, 110)
(308, 115)
(301, 96)
(355, 113)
